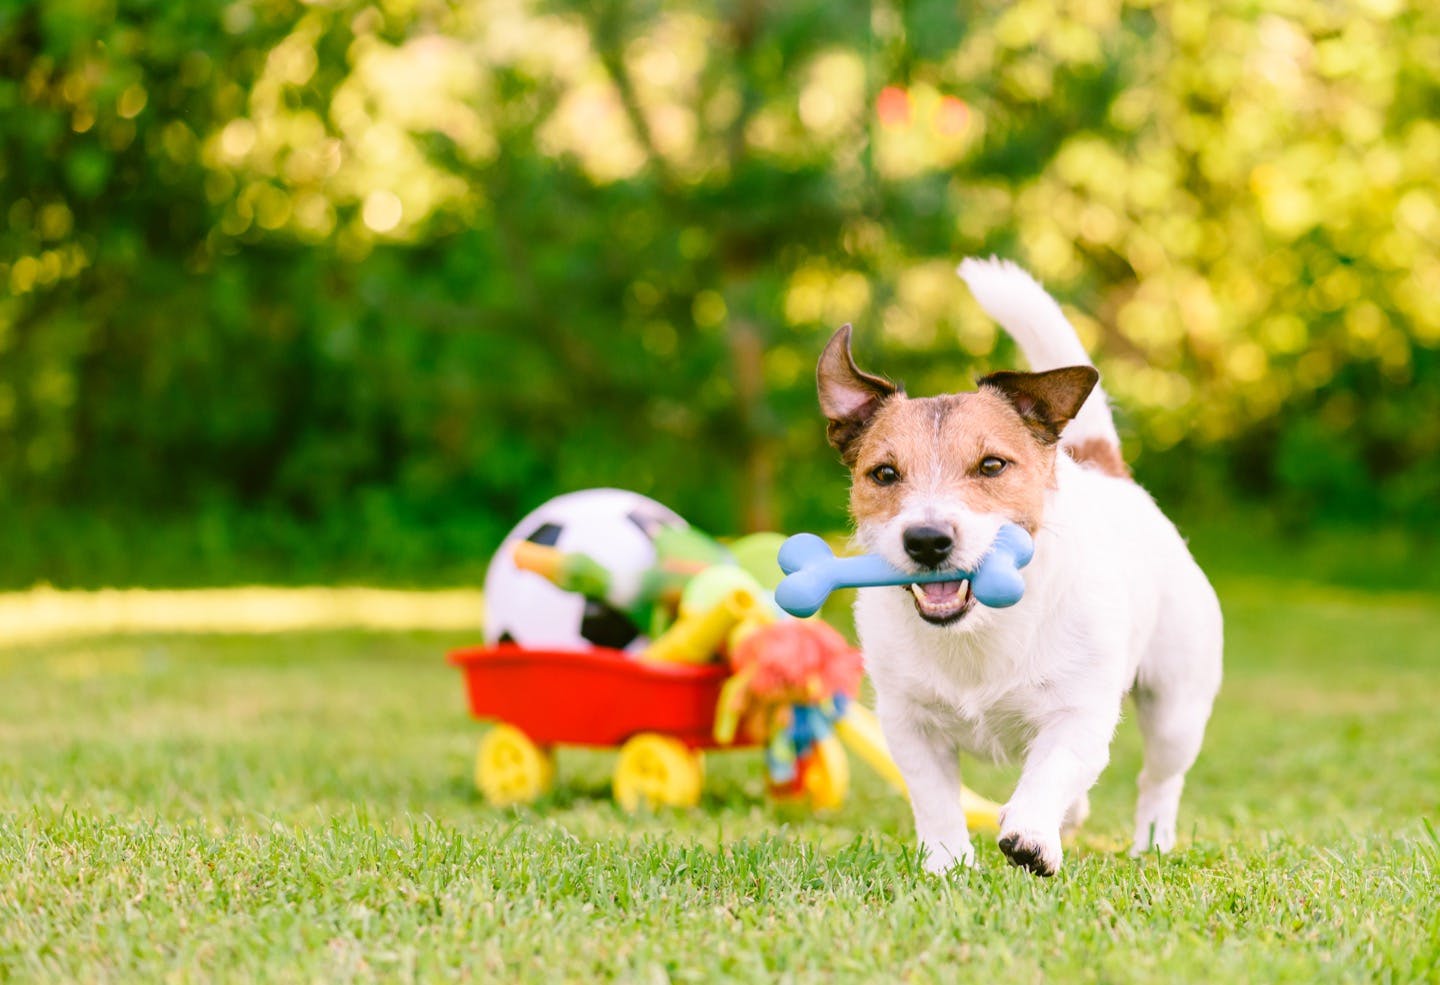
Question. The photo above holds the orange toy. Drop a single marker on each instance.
(790, 682)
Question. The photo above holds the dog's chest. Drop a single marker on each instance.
(988, 692)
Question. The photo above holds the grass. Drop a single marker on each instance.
(298, 807)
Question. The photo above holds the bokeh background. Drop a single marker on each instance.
(337, 291)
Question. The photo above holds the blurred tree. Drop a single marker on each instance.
(395, 272)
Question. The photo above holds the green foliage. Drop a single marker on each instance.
(407, 268)
(299, 807)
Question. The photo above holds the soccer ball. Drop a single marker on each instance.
(614, 527)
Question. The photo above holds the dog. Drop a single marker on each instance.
(1114, 602)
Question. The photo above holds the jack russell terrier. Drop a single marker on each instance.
(1113, 603)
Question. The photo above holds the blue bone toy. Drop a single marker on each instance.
(812, 572)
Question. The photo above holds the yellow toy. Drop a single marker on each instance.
(697, 637)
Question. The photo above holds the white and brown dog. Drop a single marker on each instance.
(1114, 603)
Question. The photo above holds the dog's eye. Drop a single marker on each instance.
(991, 466)
(884, 475)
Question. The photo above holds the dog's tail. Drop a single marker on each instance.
(1048, 340)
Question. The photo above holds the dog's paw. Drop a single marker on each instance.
(1029, 849)
(941, 858)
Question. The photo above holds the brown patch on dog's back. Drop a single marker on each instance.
(1101, 455)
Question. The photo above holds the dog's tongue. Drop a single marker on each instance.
(941, 591)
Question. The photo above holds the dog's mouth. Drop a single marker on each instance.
(941, 603)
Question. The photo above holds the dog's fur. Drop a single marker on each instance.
(1113, 602)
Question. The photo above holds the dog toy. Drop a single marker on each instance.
(697, 637)
(681, 555)
(812, 572)
(791, 681)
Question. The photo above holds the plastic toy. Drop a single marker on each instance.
(715, 582)
(697, 637)
(791, 682)
(649, 610)
(812, 572)
(568, 572)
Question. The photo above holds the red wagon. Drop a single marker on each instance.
(661, 716)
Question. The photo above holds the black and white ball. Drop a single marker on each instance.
(615, 527)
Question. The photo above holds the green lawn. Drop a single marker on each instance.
(299, 807)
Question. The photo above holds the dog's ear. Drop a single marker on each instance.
(1047, 401)
(848, 397)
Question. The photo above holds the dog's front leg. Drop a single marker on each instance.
(929, 762)
(1063, 762)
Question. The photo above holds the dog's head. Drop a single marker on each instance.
(933, 478)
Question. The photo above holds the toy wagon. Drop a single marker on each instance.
(660, 715)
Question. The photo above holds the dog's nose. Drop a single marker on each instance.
(929, 546)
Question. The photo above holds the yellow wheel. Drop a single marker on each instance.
(510, 769)
(827, 777)
(658, 771)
